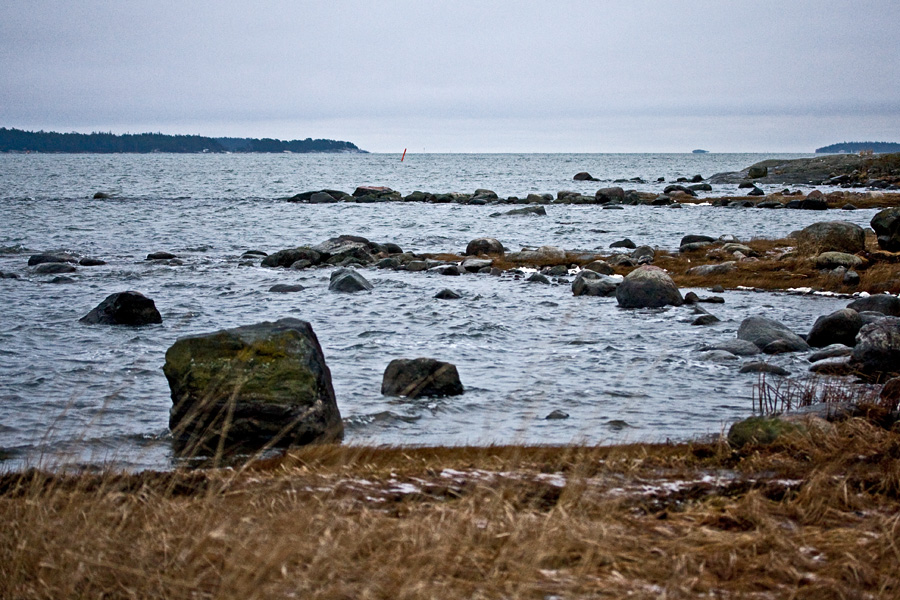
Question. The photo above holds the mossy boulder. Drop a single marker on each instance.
(759, 431)
(250, 387)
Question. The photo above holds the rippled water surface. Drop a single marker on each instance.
(522, 350)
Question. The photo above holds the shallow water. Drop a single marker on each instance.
(523, 350)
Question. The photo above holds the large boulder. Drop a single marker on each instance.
(348, 281)
(876, 355)
(249, 387)
(832, 236)
(883, 303)
(648, 287)
(839, 327)
(770, 336)
(484, 246)
(420, 377)
(886, 224)
(124, 308)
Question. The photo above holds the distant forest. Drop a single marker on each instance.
(854, 147)
(16, 140)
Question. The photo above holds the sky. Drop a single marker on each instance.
(461, 76)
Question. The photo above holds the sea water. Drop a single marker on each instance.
(97, 394)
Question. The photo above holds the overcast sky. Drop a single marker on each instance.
(460, 76)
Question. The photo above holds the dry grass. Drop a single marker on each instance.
(814, 516)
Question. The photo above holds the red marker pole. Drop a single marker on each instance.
(404, 155)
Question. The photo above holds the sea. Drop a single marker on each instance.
(95, 396)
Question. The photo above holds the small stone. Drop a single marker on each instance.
(557, 414)
(160, 256)
(285, 288)
(447, 294)
(762, 367)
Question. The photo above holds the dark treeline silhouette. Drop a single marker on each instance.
(16, 140)
(854, 147)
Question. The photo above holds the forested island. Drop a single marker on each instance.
(854, 147)
(17, 140)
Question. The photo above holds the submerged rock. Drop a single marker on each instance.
(447, 294)
(124, 308)
(417, 377)
(54, 268)
(286, 288)
(39, 259)
(251, 386)
(161, 256)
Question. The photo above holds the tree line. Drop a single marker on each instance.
(17, 140)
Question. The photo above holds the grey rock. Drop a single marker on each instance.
(735, 346)
(91, 262)
(584, 176)
(886, 304)
(474, 265)
(390, 262)
(600, 266)
(876, 355)
(346, 280)
(705, 320)
(447, 294)
(831, 351)
(762, 367)
(832, 236)
(54, 268)
(648, 287)
(886, 224)
(712, 269)
(836, 365)
(588, 283)
(40, 259)
(625, 243)
(414, 378)
(124, 308)
(285, 288)
(716, 356)
(557, 415)
(692, 238)
(763, 332)
(839, 327)
(484, 246)
(538, 278)
(643, 252)
(287, 258)
(416, 265)
(161, 256)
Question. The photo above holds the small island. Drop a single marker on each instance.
(17, 140)
(857, 147)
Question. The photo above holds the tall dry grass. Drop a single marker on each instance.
(813, 516)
